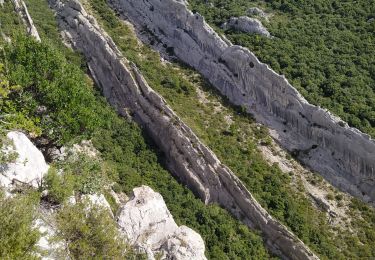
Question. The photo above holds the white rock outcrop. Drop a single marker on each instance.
(343, 155)
(147, 223)
(247, 25)
(29, 167)
(187, 158)
(22, 11)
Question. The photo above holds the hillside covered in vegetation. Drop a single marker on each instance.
(324, 48)
(46, 92)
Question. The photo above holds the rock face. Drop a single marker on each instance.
(29, 167)
(246, 24)
(22, 11)
(343, 155)
(147, 223)
(191, 161)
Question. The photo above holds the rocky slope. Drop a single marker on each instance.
(343, 155)
(192, 162)
(144, 220)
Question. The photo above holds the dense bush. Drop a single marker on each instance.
(91, 233)
(60, 186)
(48, 80)
(17, 236)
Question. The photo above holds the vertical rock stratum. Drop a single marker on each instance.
(191, 161)
(343, 155)
(21, 9)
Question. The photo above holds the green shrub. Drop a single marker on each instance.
(60, 186)
(91, 233)
(17, 235)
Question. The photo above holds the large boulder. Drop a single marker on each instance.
(255, 11)
(247, 25)
(147, 223)
(29, 167)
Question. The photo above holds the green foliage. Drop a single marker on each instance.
(17, 236)
(91, 233)
(90, 173)
(10, 23)
(10, 117)
(47, 79)
(324, 48)
(79, 173)
(59, 186)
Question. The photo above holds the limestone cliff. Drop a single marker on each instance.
(343, 155)
(192, 162)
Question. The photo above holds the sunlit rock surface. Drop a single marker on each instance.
(247, 25)
(29, 167)
(343, 155)
(146, 221)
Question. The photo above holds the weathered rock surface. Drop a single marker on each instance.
(191, 161)
(22, 11)
(247, 25)
(147, 223)
(29, 167)
(343, 155)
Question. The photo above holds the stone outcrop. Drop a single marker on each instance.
(149, 226)
(191, 161)
(256, 11)
(29, 167)
(343, 155)
(247, 25)
(21, 9)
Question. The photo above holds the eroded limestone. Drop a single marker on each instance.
(343, 155)
(191, 161)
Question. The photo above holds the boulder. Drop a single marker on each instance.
(257, 11)
(147, 223)
(247, 25)
(29, 167)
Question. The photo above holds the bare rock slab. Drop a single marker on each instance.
(146, 221)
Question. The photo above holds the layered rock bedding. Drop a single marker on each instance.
(343, 155)
(192, 162)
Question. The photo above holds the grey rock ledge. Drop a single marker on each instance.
(343, 155)
(191, 161)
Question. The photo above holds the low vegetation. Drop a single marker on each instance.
(91, 233)
(18, 236)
